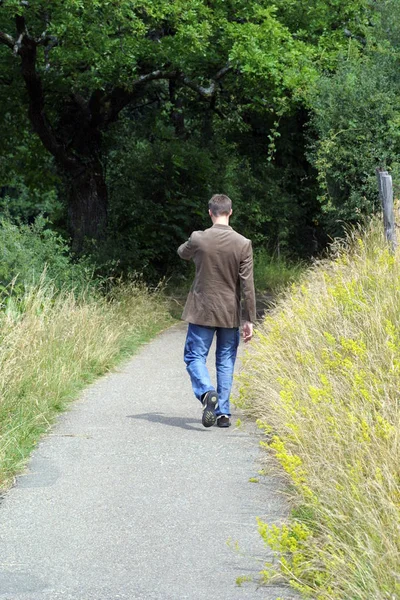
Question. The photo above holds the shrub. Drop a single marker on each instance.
(29, 251)
(355, 120)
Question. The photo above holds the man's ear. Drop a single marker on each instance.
(210, 213)
(230, 213)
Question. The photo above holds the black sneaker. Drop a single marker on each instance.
(223, 421)
(210, 403)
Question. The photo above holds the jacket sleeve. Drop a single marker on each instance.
(247, 283)
(186, 250)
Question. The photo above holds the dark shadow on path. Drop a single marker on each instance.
(181, 422)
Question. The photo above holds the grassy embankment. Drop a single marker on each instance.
(52, 344)
(323, 379)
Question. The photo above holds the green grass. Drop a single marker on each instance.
(53, 344)
(272, 274)
(323, 377)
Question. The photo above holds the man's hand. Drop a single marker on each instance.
(247, 331)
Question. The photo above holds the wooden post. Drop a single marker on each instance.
(385, 186)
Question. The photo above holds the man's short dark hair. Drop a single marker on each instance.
(220, 205)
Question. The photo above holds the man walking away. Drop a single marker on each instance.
(224, 271)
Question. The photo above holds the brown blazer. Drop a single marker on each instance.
(224, 268)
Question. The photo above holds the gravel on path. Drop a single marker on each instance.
(129, 497)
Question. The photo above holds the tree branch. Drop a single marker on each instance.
(119, 98)
(22, 32)
(222, 72)
(207, 92)
(21, 25)
(49, 42)
(33, 84)
(52, 44)
(7, 40)
(154, 75)
(18, 44)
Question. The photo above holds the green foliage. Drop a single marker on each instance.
(355, 121)
(159, 188)
(356, 118)
(273, 273)
(91, 55)
(31, 252)
(156, 197)
(310, 100)
(109, 43)
(21, 203)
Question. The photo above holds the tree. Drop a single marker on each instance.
(355, 121)
(82, 62)
(77, 65)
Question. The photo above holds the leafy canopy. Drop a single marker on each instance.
(97, 44)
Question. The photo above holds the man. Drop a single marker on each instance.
(224, 269)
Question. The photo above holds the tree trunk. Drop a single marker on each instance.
(75, 143)
(87, 204)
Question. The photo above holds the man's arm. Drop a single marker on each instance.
(186, 250)
(247, 286)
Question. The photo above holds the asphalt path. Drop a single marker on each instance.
(129, 497)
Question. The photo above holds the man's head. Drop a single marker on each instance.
(220, 206)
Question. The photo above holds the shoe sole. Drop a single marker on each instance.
(209, 417)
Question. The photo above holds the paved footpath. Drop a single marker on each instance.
(129, 497)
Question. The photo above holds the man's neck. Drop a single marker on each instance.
(221, 220)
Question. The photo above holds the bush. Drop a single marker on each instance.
(28, 251)
(355, 118)
(323, 379)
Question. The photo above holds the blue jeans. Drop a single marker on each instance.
(198, 342)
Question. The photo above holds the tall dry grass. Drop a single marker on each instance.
(53, 343)
(323, 378)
